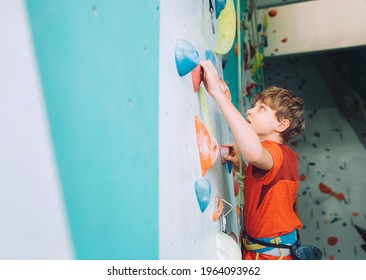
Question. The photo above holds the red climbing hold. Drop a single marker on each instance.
(332, 240)
(272, 12)
(339, 196)
(302, 177)
(324, 188)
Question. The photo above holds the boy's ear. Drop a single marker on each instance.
(283, 125)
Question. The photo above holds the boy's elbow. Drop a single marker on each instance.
(256, 157)
(253, 154)
(253, 157)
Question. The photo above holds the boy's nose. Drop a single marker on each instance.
(249, 111)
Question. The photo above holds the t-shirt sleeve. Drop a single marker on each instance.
(275, 150)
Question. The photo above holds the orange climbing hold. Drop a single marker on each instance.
(339, 196)
(284, 40)
(324, 188)
(302, 177)
(272, 12)
(197, 76)
(207, 146)
(219, 206)
(332, 240)
(238, 211)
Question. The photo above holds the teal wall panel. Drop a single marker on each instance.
(231, 76)
(99, 66)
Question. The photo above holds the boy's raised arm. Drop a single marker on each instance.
(245, 137)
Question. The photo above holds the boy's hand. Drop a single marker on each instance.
(233, 156)
(211, 78)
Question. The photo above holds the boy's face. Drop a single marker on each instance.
(262, 119)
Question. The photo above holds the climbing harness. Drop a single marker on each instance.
(278, 246)
(284, 245)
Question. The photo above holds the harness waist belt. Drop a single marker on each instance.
(264, 245)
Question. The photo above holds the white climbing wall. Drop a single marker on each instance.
(184, 231)
(315, 26)
(33, 220)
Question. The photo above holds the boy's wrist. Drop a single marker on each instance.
(218, 94)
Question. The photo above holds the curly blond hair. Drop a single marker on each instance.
(287, 106)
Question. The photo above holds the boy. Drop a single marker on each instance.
(271, 180)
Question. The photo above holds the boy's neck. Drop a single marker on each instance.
(273, 137)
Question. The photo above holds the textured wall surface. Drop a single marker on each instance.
(101, 156)
(314, 26)
(33, 221)
(184, 231)
(99, 77)
(331, 161)
(81, 129)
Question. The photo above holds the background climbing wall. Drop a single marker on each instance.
(332, 158)
(303, 27)
(332, 149)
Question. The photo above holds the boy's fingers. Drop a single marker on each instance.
(229, 145)
(232, 149)
(206, 64)
(203, 63)
(227, 157)
(230, 158)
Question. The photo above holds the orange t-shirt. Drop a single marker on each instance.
(264, 257)
(269, 201)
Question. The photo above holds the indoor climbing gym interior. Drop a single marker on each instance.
(110, 145)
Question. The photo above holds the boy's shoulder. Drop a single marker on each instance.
(279, 148)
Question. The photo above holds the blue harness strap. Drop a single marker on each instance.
(298, 252)
(284, 241)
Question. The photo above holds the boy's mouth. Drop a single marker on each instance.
(248, 121)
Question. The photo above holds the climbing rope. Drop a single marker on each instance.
(240, 179)
(239, 175)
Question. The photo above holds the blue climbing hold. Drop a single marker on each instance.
(210, 56)
(219, 5)
(229, 167)
(186, 57)
(203, 193)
